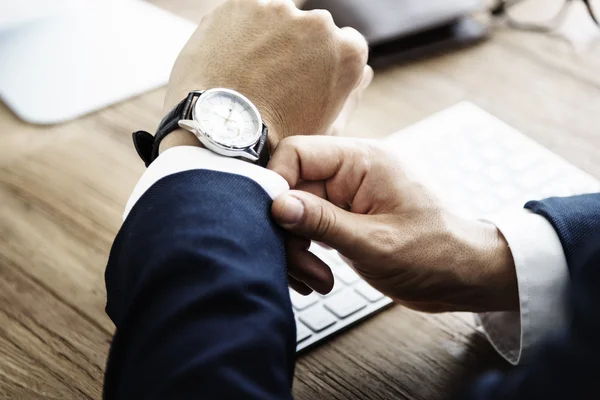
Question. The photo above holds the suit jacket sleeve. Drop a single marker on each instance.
(565, 366)
(197, 288)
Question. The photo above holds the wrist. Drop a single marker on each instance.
(179, 137)
(484, 273)
(496, 282)
(274, 123)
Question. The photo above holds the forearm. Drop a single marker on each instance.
(197, 288)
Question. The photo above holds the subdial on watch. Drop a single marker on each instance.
(231, 130)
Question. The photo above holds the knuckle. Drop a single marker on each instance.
(280, 6)
(361, 155)
(364, 158)
(321, 19)
(353, 70)
(361, 48)
(277, 7)
(356, 52)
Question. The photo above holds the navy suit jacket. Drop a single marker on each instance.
(197, 288)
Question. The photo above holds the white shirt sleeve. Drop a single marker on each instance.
(542, 275)
(185, 158)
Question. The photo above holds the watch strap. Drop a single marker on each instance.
(263, 148)
(143, 142)
(146, 145)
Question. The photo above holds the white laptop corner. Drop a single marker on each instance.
(87, 58)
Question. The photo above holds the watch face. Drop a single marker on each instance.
(228, 118)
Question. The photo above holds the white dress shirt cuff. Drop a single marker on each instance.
(542, 275)
(185, 158)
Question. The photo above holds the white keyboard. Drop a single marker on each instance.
(478, 166)
(351, 300)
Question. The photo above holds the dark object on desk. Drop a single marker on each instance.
(462, 33)
(402, 30)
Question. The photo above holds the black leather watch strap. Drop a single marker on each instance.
(146, 145)
(263, 149)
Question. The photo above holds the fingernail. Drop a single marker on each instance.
(293, 210)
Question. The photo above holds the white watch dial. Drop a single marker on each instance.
(228, 118)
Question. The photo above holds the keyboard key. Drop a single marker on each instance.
(337, 286)
(347, 275)
(536, 177)
(590, 187)
(497, 173)
(317, 318)
(367, 291)
(522, 199)
(521, 161)
(318, 250)
(476, 185)
(555, 190)
(486, 204)
(478, 134)
(581, 184)
(300, 302)
(507, 192)
(469, 164)
(491, 152)
(328, 256)
(510, 143)
(345, 303)
(449, 174)
(438, 154)
(302, 332)
(454, 194)
(461, 145)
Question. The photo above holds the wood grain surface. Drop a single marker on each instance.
(63, 189)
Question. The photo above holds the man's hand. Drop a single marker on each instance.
(296, 66)
(356, 197)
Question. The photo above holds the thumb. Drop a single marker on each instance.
(312, 217)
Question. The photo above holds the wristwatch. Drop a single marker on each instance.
(223, 120)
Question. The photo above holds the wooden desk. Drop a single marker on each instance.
(63, 189)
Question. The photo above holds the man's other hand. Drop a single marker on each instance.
(356, 197)
(297, 67)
